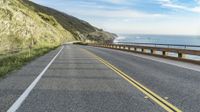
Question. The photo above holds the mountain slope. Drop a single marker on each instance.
(80, 29)
(21, 27)
(24, 24)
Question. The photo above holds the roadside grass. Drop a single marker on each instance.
(12, 62)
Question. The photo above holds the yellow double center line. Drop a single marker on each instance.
(156, 98)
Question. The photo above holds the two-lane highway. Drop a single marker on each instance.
(75, 82)
(89, 79)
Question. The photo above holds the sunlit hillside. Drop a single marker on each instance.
(24, 24)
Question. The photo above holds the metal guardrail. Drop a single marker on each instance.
(153, 50)
(163, 45)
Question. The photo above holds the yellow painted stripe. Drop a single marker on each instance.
(156, 98)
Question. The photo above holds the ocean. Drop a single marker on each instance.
(163, 39)
(159, 39)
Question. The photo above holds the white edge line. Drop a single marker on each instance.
(24, 95)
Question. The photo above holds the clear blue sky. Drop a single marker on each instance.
(135, 16)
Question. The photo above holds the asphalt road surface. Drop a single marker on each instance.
(77, 81)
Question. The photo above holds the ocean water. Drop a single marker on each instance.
(160, 39)
(164, 39)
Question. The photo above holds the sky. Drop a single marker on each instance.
(181, 17)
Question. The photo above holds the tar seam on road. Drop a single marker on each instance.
(21, 99)
(156, 98)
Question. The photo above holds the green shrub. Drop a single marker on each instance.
(16, 61)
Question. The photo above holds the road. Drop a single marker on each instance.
(77, 81)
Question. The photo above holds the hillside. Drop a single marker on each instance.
(80, 29)
(24, 24)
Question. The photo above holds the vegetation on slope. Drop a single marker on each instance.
(25, 34)
(26, 26)
(15, 61)
(21, 27)
(80, 29)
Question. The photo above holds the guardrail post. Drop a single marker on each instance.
(135, 49)
(181, 55)
(152, 51)
(143, 50)
(164, 53)
(124, 47)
